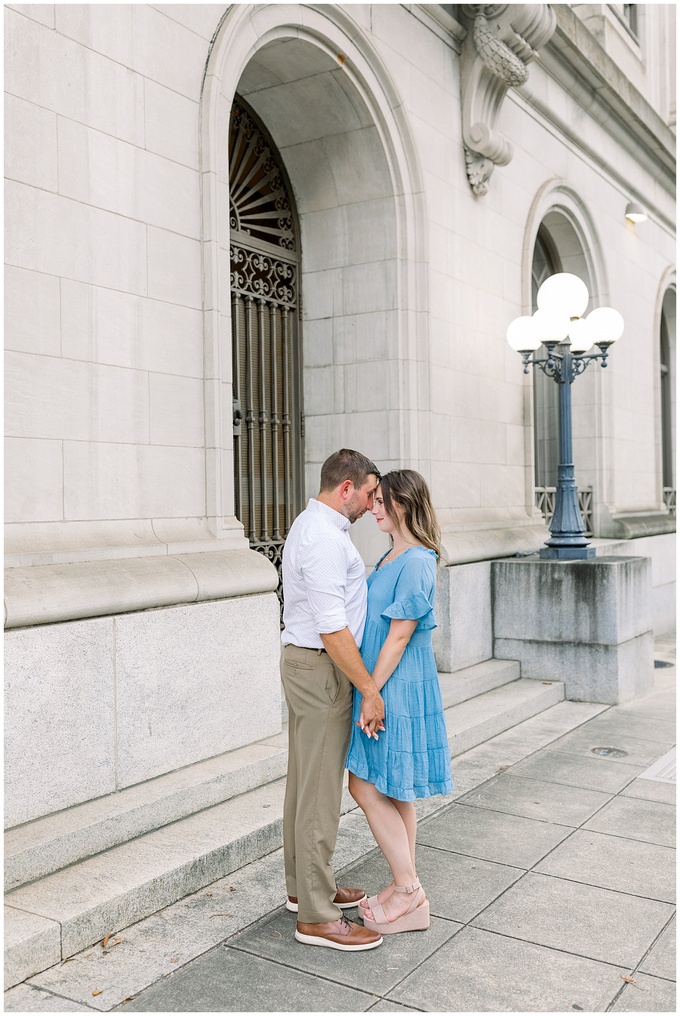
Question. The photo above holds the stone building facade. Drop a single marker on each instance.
(240, 237)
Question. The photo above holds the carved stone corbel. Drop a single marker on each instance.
(501, 40)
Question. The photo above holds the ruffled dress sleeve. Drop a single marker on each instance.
(414, 592)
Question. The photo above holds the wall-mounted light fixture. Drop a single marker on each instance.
(635, 212)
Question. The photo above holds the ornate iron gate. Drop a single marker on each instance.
(265, 266)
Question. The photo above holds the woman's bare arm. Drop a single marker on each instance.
(393, 649)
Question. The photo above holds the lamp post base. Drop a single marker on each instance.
(567, 553)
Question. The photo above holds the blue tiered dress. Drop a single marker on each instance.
(411, 757)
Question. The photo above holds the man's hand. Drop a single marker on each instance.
(372, 714)
(343, 651)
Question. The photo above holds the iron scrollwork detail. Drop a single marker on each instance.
(273, 551)
(259, 206)
(565, 367)
(260, 274)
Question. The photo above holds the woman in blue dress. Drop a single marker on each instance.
(410, 758)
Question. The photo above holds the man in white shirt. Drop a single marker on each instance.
(324, 592)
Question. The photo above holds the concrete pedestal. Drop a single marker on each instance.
(587, 623)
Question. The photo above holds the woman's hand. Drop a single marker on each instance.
(372, 714)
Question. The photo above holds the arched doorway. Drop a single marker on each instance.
(265, 272)
(341, 134)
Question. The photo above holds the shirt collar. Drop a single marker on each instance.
(330, 513)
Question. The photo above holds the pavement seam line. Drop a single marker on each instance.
(553, 948)
(298, 970)
(604, 888)
(476, 857)
(637, 968)
(54, 994)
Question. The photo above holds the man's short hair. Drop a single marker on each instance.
(346, 465)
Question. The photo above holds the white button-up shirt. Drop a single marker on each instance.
(324, 579)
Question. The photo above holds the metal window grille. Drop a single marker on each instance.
(265, 269)
(669, 498)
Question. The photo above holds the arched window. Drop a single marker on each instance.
(666, 359)
(265, 280)
(545, 263)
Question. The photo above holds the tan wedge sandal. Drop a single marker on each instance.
(368, 904)
(416, 918)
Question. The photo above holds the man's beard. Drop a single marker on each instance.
(353, 511)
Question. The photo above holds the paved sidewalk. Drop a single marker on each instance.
(550, 874)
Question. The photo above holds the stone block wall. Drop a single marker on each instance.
(98, 705)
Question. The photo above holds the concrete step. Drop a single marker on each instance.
(57, 916)
(102, 894)
(80, 904)
(49, 844)
(473, 681)
(472, 722)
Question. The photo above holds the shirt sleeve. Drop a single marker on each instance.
(414, 594)
(323, 564)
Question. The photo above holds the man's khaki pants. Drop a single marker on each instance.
(319, 698)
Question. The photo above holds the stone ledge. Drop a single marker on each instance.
(470, 546)
(633, 527)
(106, 893)
(45, 594)
(585, 55)
(39, 543)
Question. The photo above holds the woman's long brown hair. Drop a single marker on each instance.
(407, 489)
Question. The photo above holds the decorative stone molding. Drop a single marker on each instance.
(501, 40)
(47, 594)
(472, 546)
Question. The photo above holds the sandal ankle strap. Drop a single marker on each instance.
(413, 887)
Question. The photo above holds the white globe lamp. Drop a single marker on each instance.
(521, 335)
(564, 294)
(551, 326)
(581, 335)
(606, 324)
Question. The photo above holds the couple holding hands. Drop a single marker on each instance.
(375, 710)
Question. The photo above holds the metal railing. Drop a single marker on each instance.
(545, 502)
(669, 498)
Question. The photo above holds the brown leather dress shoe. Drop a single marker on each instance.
(341, 934)
(344, 898)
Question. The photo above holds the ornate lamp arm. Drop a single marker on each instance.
(553, 365)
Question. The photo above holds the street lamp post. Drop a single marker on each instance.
(558, 323)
